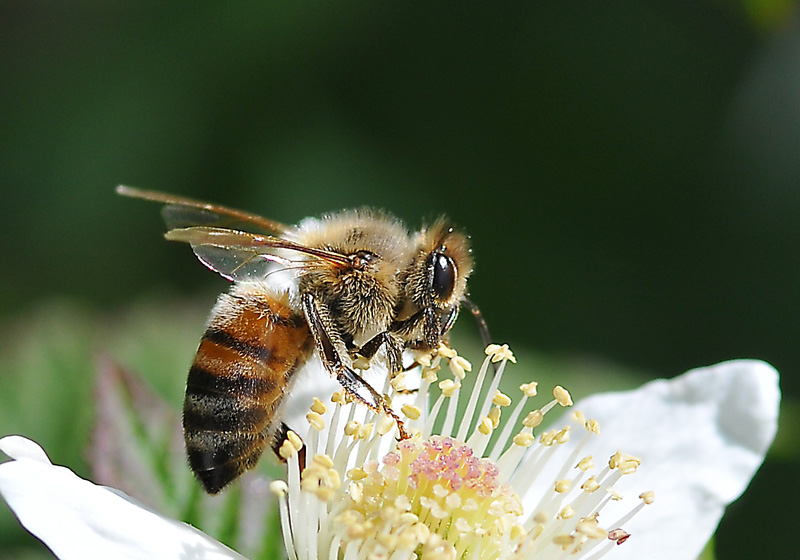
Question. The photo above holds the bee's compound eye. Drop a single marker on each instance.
(443, 280)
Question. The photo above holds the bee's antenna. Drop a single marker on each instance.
(483, 328)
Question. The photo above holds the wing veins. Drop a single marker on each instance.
(260, 244)
(182, 201)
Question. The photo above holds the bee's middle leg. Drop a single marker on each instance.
(394, 350)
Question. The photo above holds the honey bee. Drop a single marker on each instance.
(344, 286)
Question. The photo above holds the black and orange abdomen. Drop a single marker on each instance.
(253, 344)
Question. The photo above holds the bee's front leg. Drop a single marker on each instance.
(332, 350)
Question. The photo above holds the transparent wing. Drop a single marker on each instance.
(239, 265)
(182, 212)
(247, 257)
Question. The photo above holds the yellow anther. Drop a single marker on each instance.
(361, 363)
(385, 425)
(351, 428)
(399, 382)
(500, 399)
(446, 352)
(356, 531)
(448, 387)
(585, 464)
(294, 440)
(279, 488)
(459, 366)
(356, 473)
(529, 389)
(429, 374)
(591, 485)
(356, 491)
(562, 396)
(323, 460)
(315, 420)
(533, 419)
(318, 406)
(364, 431)
(517, 532)
(626, 464)
(498, 353)
(494, 416)
(562, 486)
(485, 426)
(412, 412)
(338, 397)
(286, 450)
(423, 358)
(593, 426)
(564, 541)
(590, 528)
(547, 438)
(562, 436)
(648, 497)
(566, 513)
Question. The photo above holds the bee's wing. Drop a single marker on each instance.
(182, 212)
(246, 257)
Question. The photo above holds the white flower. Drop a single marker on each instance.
(79, 520)
(699, 438)
(457, 492)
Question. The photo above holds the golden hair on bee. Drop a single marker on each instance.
(344, 286)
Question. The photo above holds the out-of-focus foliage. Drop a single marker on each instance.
(627, 171)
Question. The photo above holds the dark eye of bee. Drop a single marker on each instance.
(443, 277)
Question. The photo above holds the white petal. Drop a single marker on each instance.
(79, 520)
(18, 447)
(701, 437)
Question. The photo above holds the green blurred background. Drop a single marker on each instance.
(629, 172)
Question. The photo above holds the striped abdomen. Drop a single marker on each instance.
(253, 344)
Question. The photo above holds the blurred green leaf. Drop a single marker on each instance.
(137, 446)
